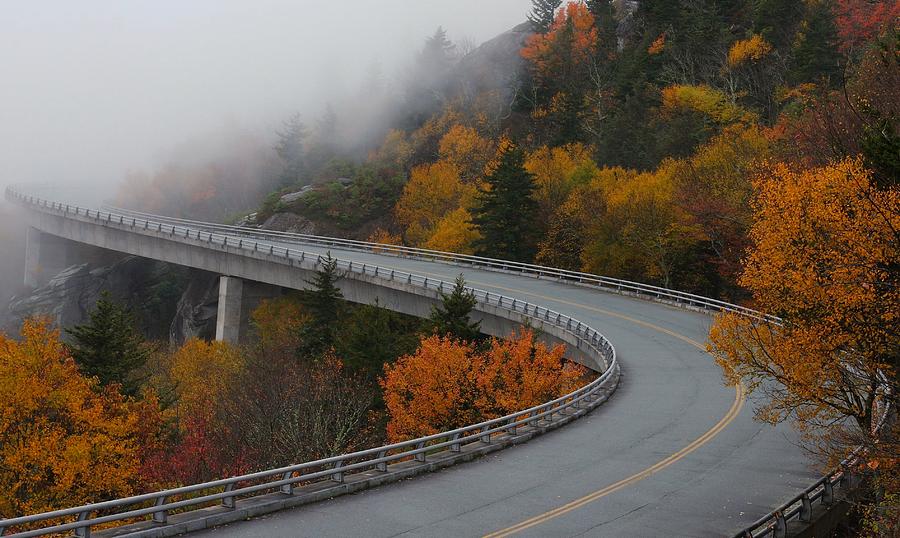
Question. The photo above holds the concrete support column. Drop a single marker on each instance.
(228, 318)
(237, 300)
(45, 256)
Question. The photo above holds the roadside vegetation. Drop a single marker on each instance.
(746, 150)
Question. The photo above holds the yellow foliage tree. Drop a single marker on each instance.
(640, 232)
(753, 49)
(63, 440)
(557, 171)
(706, 100)
(278, 324)
(201, 373)
(433, 191)
(466, 149)
(454, 233)
(825, 254)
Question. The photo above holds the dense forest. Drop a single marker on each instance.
(746, 150)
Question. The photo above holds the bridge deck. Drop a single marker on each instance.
(670, 397)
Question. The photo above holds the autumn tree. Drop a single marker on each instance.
(641, 234)
(202, 372)
(447, 383)
(506, 210)
(563, 244)
(280, 411)
(109, 346)
(433, 192)
(432, 390)
(559, 64)
(520, 372)
(279, 325)
(64, 440)
(859, 22)
(451, 318)
(824, 259)
(455, 232)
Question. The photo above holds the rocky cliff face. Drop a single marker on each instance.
(152, 289)
(195, 313)
(495, 65)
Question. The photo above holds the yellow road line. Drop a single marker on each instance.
(578, 503)
(739, 398)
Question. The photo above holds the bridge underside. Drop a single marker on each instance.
(55, 242)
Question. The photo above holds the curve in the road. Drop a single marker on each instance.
(671, 413)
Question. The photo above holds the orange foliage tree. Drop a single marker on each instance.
(447, 384)
(825, 254)
(64, 441)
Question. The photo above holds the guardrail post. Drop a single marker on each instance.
(805, 509)
(381, 465)
(338, 476)
(847, 479)
(287, 489)
(780, 530)
(83, 532)
(828, 492)
(512, 429)
(486, 437)
(455, 447)
(228, 502)
(161, 516)
(421, 455)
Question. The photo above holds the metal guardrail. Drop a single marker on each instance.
(772, 524)
(228, 491)
(607, 283)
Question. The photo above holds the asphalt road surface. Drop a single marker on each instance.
(673, 453)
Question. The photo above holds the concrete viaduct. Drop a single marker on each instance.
(672, 452)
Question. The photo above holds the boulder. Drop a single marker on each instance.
(289, 222)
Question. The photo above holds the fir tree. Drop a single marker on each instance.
(815, 53)
(374, 336)
(543, 13)
(109, 346)
(506, 210)
(452, 316)
(291, 149)
(604, 13)
(324, 303)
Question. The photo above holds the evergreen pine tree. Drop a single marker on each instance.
(324, 304)
(604, 13)
(543, 13)
(452, 316)
(109, 346)
(290, 148)
(815, 53)
(374, 336)
(506, 210)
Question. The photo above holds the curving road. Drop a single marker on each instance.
(672, 453)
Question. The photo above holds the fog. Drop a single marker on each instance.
(94, 89)
(93, 92)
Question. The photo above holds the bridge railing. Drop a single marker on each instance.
(772, 524)
(608, 283)
(159, 505)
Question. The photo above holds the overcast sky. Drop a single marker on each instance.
(91, 89)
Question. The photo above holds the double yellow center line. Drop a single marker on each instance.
(739, 398)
